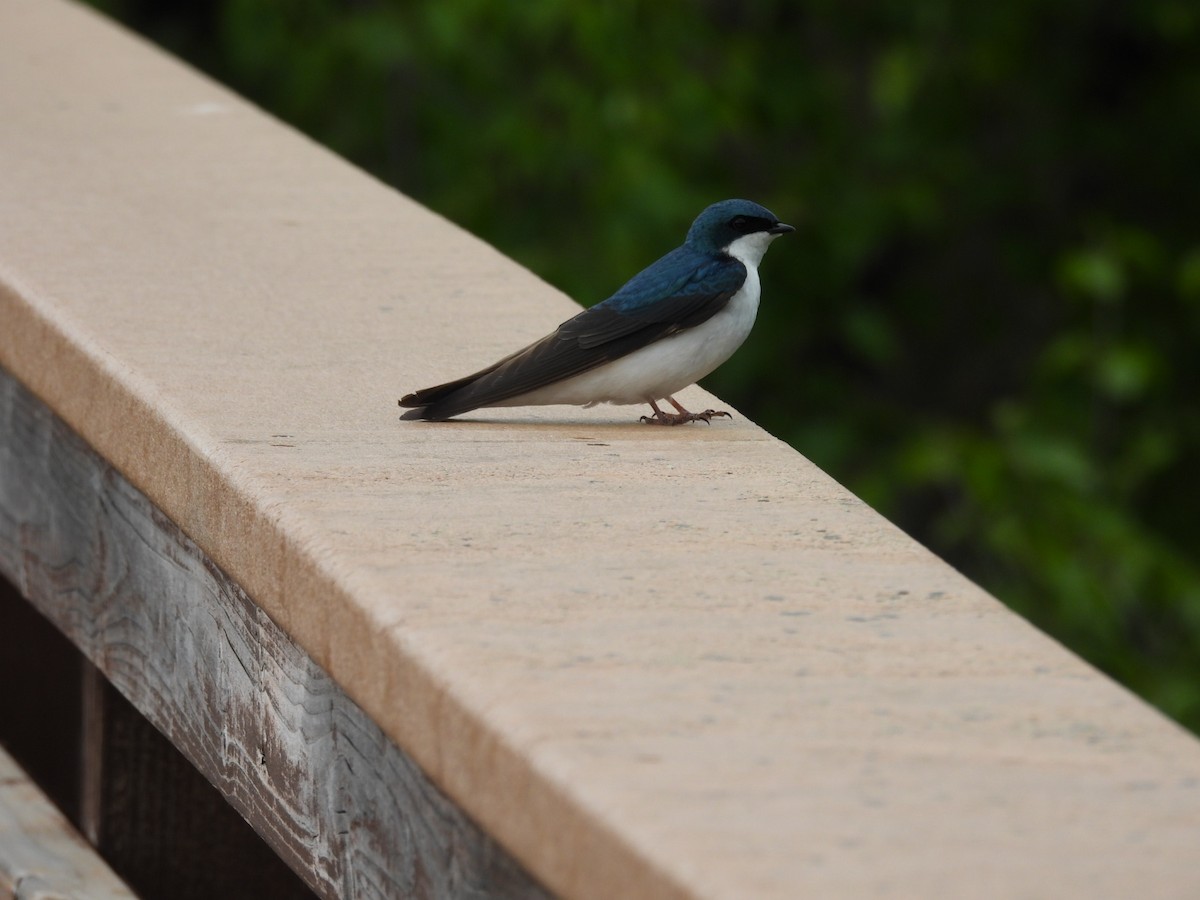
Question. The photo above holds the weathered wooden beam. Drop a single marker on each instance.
(153, 818)
(346, 809)
(157, 821)
(41, 856)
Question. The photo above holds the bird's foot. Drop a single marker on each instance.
(666, 418)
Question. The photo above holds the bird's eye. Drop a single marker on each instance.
(738, 223)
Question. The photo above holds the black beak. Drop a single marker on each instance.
(780, 228)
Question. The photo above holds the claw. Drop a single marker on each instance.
(665, 418)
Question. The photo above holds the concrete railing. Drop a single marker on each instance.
(544, 649)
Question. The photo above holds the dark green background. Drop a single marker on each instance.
(987, 323)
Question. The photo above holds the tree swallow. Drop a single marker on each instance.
(668, 327)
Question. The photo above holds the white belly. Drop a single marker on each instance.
(663, 368)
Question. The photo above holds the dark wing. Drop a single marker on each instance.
(678, 292)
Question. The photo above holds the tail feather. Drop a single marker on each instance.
(443, 401)
(482, 388)
(439, 402)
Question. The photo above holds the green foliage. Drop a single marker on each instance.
(987, 323)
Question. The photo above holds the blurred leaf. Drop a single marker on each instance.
(1125, 372)
(895, 81)
(1189, 275)
(1093, 274)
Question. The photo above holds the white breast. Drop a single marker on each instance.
(669, 365)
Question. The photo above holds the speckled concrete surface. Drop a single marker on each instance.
(654, 662)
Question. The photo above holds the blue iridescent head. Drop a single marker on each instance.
(735, 227)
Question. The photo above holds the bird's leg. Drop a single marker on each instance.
(665, 418)
(659, 417)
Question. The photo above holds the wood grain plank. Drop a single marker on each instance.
(312, 773)
(156, 819)
(41, 856)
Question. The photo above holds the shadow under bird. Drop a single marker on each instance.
(668, 327)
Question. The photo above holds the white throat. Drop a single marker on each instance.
(749, 248)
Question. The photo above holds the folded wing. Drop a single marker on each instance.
(678, 292)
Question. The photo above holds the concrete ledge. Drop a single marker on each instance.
(649, 662)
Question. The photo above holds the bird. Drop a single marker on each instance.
(670, 325)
